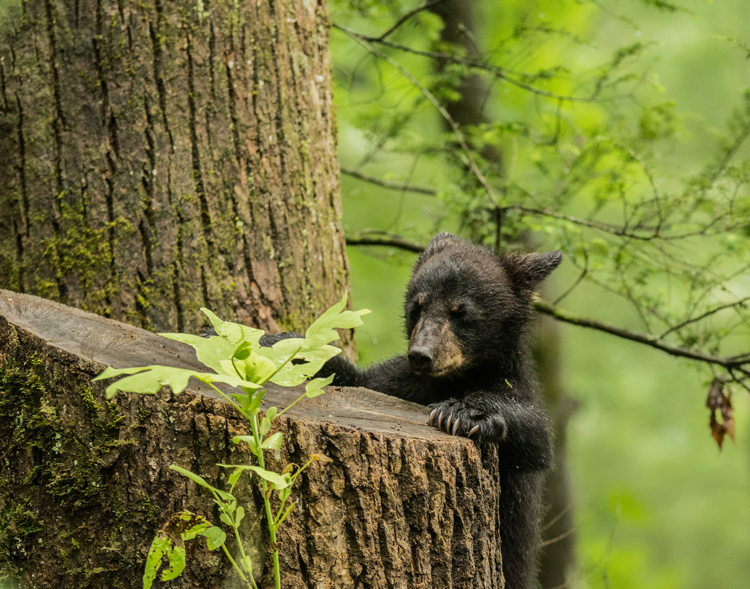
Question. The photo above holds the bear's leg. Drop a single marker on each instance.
(519, 510)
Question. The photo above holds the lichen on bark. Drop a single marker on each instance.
(164, 157)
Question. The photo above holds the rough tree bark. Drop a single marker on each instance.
(557, 557)
(165, 156)
(85, 484)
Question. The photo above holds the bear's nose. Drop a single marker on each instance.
(420, 358)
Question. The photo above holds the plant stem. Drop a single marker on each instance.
(284, 363)
(221, 504)
(237, 568)
(267, 502)
(229, 400)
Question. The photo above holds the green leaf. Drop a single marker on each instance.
(240, 513)
(243, 350)
(215, 321)
(271, 413)
(225, 518)
(265, 426)
(288, 480)
(194, 531)
(228, 497)
(250, 403)
(159, 546)
(209, 350)
(176, 563)
(278, 481)
(242, 333)
(250, 440)
(193, 477)
(215, 537)
(284, 494)
(247, 564)
(314, 388)
(295, 374)
(110, 372)
(322, 331)
(254, 367)
(235, 476)
(273, 442)
(150, 379)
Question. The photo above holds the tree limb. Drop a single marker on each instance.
(381, 238)
(386, 184)
(731, 363)
(407, 16)
(641, 338)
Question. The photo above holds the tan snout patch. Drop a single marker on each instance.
(441, 339)
(449, 356)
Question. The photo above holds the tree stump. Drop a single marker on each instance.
(85, 483)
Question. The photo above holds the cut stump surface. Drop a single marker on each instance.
(85, 483)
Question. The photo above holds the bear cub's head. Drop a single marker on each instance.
(466, 307)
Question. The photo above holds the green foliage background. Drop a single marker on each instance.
(657, 505)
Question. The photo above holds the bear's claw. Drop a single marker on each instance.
(455, 418)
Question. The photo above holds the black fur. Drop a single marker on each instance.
(465, 310)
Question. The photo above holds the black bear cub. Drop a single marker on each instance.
(466, 309)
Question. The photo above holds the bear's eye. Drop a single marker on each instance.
(463, 312)
(414, 309)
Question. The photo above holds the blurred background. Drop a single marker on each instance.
(653, 502)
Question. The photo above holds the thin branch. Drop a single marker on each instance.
(436, 103)
(578, 281)
(642, 338)
(472, 63)
(648, 233)
(407, 16)
(381, 238)
(704, 315)
(730, 363)
(386, 184)
(557, 518)
(557, 538)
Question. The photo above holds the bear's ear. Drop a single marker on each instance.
(526, 271)
(437, 244)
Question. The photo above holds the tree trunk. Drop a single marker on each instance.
(158, 158)
(557, 559)
(85, 483)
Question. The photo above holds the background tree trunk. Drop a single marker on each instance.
(557, 554)
(85, 483)
(162, 157)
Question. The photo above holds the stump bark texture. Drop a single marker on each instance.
(85, 483)
(164, 156)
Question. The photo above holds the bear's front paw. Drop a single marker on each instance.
(458, 419)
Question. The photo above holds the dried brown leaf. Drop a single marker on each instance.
(717, 400)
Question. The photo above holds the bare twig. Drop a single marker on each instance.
(472, 63)
(557, 538)
(407, 16)
(436, 103)
(704, 315)
(386, 184)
